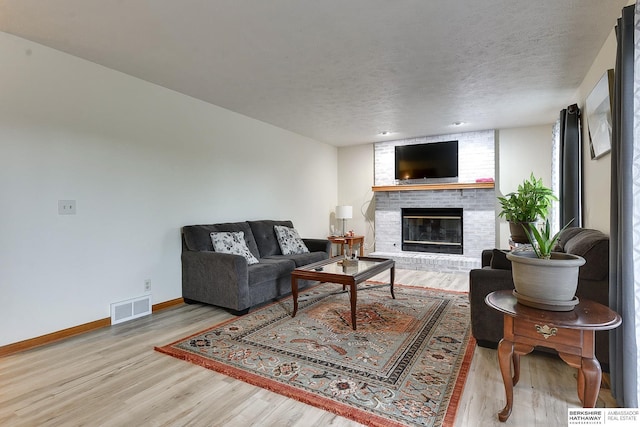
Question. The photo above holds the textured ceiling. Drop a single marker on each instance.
(341, 71)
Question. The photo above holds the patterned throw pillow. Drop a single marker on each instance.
(289, 241)
(232, 242)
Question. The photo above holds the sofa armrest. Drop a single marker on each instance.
(486, 280)
(216, 278)
(487, 255)
(593, 246)
(318, 245)
(487, 324)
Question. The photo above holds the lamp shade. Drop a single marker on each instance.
(344, 212)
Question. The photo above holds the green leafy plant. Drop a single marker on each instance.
(531, 201)
(542, 240)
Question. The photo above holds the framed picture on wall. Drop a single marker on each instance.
(598, 110)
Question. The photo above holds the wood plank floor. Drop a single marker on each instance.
(113, 377)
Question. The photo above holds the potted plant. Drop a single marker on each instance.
(543, 278)
(525, 206)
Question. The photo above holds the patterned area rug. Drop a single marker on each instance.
(405, 365)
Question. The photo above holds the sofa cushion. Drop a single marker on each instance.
(232, 242)
(565, 236)
(593, 246)
(499, 260)
(198, 237)
(265, 236)
(303, 259)
(289, 240)
(269, 270)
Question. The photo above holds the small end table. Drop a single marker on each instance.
(571, 333)
(349, 241)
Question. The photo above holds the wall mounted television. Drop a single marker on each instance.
(434, 160)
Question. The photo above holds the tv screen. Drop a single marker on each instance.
(435, 160)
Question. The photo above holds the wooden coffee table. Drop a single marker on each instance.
(334, 270)
(571, 333)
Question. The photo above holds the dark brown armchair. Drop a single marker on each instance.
(495, 274)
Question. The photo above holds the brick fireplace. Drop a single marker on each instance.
(475, 203)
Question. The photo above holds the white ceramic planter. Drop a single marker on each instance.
(548, 284)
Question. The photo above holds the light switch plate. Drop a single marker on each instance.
(66, 207)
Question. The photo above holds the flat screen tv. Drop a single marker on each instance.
(434, 160)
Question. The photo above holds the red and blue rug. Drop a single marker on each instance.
(405, 365)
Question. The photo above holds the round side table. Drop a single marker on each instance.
(571, 333)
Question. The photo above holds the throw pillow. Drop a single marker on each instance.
(289, 240)
(232, 242)
(499, 260)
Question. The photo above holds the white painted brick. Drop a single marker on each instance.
(476, 160)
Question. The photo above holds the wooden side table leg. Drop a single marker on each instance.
(592, 374)
(518, 350)
(505, 357)
(392, 277)
(294, 293)
(353, 305)
(516, 368)
(581, 385)
(362, 247)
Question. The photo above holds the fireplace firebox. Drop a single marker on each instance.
(436, 230)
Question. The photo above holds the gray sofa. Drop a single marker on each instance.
(593, 284)
(227, 280)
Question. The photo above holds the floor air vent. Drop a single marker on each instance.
(130, 309)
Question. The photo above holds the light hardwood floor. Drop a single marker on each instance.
(113, 377)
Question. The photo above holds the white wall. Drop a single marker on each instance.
(597, 173)
(355, 175)
(141, 161)
(534, 145)
(520, 152)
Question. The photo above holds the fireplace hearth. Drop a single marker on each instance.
(437, 230)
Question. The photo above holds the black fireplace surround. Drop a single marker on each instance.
(437, 230)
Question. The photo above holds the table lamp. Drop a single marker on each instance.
(344, 213)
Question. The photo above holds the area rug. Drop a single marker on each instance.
(405, 365)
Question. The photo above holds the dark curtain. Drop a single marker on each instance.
(570, 167)
(622, 343)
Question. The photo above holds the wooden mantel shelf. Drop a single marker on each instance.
(443, 186)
